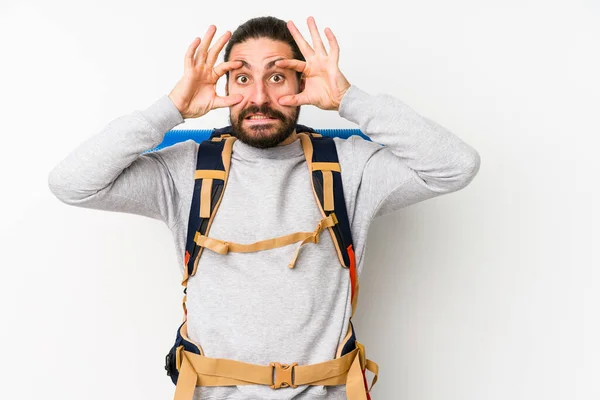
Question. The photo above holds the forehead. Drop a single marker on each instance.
(258, 52)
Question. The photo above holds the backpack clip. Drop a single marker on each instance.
(283, 375)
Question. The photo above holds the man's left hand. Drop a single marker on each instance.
(324, 84)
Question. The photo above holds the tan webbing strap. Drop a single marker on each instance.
(186, 382)
(344, 341)
(197, 370)
(355, 385)
(205, 196)
(207, 177)
(367, 364)
(374, 368)
(223, 247)
(184, 307)
(331, 370)
(327, 191)
(209, 174)
(219, 138)
(326, 168)
(308, 153)
(186, 276)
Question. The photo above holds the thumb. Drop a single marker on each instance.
(289, 100)
(227, 101)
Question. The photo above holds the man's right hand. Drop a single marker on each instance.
(195, 94)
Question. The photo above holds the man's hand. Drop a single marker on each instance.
(195, 94)
(324, 85)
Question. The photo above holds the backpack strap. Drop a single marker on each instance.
(323, 163)
(212, 170)
(322, 159)
(221, 132)
(326, 177)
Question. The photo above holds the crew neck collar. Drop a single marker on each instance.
(290, 150)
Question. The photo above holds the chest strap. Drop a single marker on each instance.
(222, 247)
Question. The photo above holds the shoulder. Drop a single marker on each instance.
(178, 153)
(180, 160)
(355, 151)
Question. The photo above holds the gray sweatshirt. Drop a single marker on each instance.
(249, 306)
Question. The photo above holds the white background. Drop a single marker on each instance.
(488, 293)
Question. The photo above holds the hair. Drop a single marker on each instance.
(264, 27)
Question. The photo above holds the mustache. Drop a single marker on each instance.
(263, 109)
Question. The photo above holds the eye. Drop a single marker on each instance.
(243, 79)
(277, 78)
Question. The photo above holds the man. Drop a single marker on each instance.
(248, 306)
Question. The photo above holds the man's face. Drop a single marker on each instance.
(259, 120)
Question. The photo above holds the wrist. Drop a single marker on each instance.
(178, 103)
(341, 95)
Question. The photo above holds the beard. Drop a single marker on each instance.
(258, 135)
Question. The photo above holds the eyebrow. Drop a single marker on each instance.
(269, 65)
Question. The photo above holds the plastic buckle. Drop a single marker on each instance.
(173, 360)
(283, 375)
(169, 363)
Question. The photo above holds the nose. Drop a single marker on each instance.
(259, 94)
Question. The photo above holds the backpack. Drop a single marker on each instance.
(186, 363)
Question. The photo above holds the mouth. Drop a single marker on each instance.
(259, 119)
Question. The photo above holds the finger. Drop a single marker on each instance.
(203, 49)
(293, 100)
(334, 48)
(227, 101)
(296, 65)
(222, 68)
(189, 55)
(213, 53)
(302, 44)
(316, 37)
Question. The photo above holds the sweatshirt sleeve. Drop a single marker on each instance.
(109, 172)
(410, 159)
